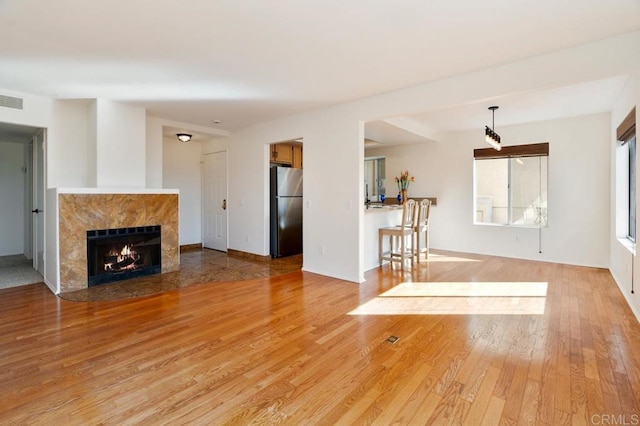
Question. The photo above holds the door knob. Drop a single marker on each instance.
(224, 204)
(36, 211)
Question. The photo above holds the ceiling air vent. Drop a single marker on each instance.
(10, 102)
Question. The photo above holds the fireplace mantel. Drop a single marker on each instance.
(83, 209)
(131, 191)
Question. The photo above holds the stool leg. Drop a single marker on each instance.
(402, 251)
(425, 237)
(426, 240)
(413, 246)
(391, 241)
(380, 237)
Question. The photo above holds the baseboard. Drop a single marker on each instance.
(50, 286)
(625, 295)
(331, 275)
(190, 247)
(252, 256)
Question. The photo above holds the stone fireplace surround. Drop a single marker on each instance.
(81, 211)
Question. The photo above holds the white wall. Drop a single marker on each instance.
(72, 153)
(155, 128)
(12, 211)
(621, 256)
(52, 240)
(154, 152)
(37, 110)
(120, 145)
(333, 149)
(92, 144)
(578, 231)
(67, 145)
(333, 162)
(182, 169)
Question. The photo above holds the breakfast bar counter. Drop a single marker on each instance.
(375, 218)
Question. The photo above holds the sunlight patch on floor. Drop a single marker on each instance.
(459, 298)
(468, 289)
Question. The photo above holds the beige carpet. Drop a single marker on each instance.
(17, 270)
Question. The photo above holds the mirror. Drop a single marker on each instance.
(374, 178)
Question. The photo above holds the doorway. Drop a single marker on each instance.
(214, 188)
(286, 192)
(22, 183)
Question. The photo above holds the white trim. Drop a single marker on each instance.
(628, 244)
(625, 295)
(116, 191)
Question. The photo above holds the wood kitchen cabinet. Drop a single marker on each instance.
(287, 153)
(282, 153)
(297, 155)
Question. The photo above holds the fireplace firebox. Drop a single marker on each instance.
(123, 253)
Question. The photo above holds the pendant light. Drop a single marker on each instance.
(490, 136)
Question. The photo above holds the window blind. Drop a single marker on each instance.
(627, 129)
(530, 150)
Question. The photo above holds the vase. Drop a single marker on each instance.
(404, 196)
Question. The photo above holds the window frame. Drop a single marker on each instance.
(626, 136)
(508, 153)
(631, 189)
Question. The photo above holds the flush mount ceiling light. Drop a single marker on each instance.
(490, 135)
(183, 137)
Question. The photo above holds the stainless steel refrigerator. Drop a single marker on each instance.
(286, 211)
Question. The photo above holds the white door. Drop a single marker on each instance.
(38, 202)
(215, 201)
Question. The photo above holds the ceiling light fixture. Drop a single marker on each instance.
(183, 137)
(490, 136)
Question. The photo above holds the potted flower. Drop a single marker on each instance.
(403, 184)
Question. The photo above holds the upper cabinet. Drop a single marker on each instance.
(287, 153)
(297, 156)
(282, 153)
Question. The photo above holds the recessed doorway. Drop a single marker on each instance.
(22, 183)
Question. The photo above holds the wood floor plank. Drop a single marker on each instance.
(290, 350)
(483, 396)
(493, 414)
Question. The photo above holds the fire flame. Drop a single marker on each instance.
(127, 252)
(124, 253)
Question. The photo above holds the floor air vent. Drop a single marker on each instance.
(10, 102)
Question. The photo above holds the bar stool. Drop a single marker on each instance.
(421, 229)
(401, 232)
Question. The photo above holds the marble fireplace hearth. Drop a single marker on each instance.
(79, 212)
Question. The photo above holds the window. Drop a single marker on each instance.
(632, 190)
(626, 178)
(510, 186)
(374, 178)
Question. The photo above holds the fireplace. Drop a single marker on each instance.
(123, 253)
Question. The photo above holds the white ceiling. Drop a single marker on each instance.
(171, 132)
(249, 61)
(568, 101)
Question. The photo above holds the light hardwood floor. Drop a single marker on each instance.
(305, 349)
